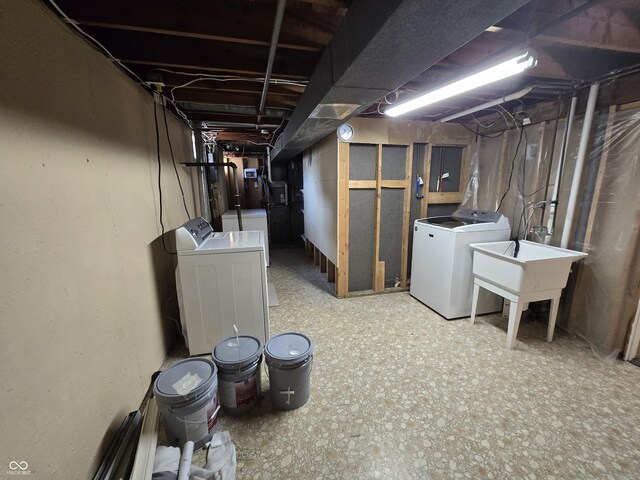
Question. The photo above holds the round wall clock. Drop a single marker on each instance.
(345, 132)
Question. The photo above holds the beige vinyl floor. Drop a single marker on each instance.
(400, 393)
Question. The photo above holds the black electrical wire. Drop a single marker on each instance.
(175, 169)
(513, 162)
(522, 183)
(155, 119)
(484, 135)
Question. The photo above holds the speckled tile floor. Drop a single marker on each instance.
(400, 393)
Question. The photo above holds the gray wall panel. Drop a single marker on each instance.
(362, 162)
(391, 204)
(361, 226)
(394, 160)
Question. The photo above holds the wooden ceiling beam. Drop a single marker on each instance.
(207, 69)
(288, 95)
(226, 98)
(200, 36)
(230, 118)
(586, 33)
(249, 87)
(229, 21)
(602, 26)
(203, 53)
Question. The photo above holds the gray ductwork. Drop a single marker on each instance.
(381, 45)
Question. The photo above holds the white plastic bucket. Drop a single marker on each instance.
(289, 357)
(186, 394)
(238, 360)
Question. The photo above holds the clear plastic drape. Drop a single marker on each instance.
(515, 174)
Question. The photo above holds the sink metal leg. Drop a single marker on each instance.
(474, 302)
(555, 302)
(515, 312)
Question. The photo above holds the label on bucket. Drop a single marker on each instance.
(187, 383)
(239, 394)
(201, 423)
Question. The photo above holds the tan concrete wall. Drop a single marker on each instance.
(320, 173)
(83, 275)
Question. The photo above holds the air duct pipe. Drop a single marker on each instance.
(582, 155)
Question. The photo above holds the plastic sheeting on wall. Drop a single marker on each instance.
(514, 172)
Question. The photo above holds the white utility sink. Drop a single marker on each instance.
(539, 272)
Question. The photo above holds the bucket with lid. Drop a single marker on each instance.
(289, 357)
(238, 360)
(186, 394)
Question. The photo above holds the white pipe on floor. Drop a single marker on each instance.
(185, 461)
(580, 160)
(553, 209)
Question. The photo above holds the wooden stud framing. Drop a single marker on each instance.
(323, 263)
(444, 197)
(378, 282)
(406, 217)
(316, 256)
(354, 184)
(362, 184)
(331, 271)
(342, 276)
(378, 277)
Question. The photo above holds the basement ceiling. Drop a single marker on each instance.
(212, 56)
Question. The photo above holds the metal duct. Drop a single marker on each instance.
(380, 46)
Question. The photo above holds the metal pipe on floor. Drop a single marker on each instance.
(580, 160)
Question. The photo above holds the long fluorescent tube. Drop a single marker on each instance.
(503, 70)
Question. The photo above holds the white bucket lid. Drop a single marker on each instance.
(288, 349)
(237, 353)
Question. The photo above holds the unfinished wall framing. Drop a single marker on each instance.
(372, 180)
(378, 201)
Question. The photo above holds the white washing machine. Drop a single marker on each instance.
(252, 219)
(441, 265)
(221, 280)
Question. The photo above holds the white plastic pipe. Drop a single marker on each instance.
(553, 209)
(490, 103)
(577, 174)
(185, 461)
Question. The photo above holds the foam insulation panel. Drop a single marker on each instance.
(391, 206)
(394, 160)
(362, 162)
(361, 235)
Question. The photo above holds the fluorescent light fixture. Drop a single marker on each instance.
(505, 69)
